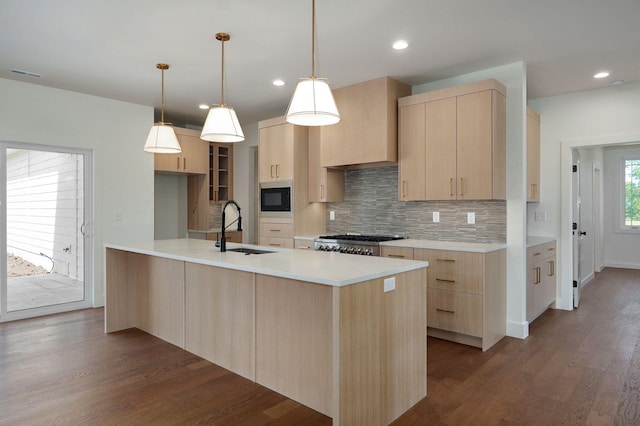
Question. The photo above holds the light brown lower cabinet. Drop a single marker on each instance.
(466, 293)
(356, 353)
(541, 278)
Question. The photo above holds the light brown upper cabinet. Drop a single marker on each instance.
(325, 185)
(452, 143)
(368, 129)
(194, 158)
(220, 172)
(533, 155)
(276, 149)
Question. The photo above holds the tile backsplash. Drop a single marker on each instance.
(371, 206)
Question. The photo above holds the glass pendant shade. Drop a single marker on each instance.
(162, 140)
(312, 104)
(222, 125)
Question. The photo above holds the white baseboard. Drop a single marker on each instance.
(586, 280)
(621, 265)
(519, 330)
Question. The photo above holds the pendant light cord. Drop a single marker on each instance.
(162, 108)
(313, 39)
(222, 72)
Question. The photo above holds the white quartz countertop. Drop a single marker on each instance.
(333, 269)
(534, 240)
(446, 245)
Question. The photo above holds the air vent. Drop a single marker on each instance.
(27, 73)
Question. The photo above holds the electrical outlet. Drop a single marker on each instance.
(332, 215)
(541, 216)
(471, 218)
(436, 217)
(389, 284)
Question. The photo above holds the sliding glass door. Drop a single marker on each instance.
(46, 256)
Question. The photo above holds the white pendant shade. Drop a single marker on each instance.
(222, 125)
(162, 140)
(312, 104)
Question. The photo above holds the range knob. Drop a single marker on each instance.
(335, 248)
(344, 249)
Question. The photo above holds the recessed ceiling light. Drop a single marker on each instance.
(203, 106)
(400, 44)
(601, 74)
(278, 82)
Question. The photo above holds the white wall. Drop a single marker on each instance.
(513, 76)
(115, 131)
(244, 176)
(621, 249)
(591, 118)
(170, 206)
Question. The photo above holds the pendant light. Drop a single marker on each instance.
(222, 123)
(312, 103)
(162, 139)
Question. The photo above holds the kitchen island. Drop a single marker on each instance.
(342, 334)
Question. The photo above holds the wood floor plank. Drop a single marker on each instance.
(578, 367)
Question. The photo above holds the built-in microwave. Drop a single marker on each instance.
(276, 199)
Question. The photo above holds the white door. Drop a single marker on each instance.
(45, 248)
(577, 231)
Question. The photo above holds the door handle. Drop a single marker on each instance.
(583, 232)
(82, 229)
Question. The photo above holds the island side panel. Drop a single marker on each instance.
(294, 340)
(361, 359)
(120, 306)
(160, 299)
(406, 312)
(495, 298)
(220, 321)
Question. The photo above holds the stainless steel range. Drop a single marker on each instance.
(367, 245)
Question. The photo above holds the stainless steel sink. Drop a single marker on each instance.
(247, 250)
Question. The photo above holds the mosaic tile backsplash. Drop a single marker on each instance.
(371, 206)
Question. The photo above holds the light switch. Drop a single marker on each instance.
(389, 284)
(436, 217)
(541, 216)
(471, 218)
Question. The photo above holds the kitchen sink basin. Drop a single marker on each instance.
(247, 250)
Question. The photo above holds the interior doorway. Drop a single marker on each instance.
(45, 257)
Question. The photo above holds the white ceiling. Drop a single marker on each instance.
(109, 48)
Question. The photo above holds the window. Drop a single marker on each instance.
(631, 170)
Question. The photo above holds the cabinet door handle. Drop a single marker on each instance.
(399, 256)
(274, 244)
(177, 163)
(274, 230)
(184, 163)
(445, 260)
(534, 190)
(445, 281)
(446, 311)
(537, 269)
(321, 191)
(404, 190)
(552, 268)
(536, 254)
(461, 186)
(277, 170)
(271, 170)
(451, 190)
(303, 247)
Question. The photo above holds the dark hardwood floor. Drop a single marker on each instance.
(579, 367)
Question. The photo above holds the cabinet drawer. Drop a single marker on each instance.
(454, 311)
(453, 270)
(397, 252)
(541, 251)
(278, 230)
(276, 242)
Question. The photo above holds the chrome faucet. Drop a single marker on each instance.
(223, 238)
